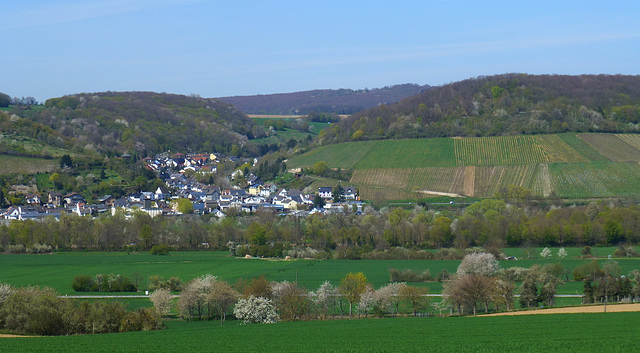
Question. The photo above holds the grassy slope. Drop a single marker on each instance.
(570, 165)
(612, 332)
(25, 165)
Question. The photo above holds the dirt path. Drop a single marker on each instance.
(469, 181)
(3, 335)
(611, 308)
(546, 180)
(437, 193)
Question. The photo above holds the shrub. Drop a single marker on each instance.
(256, 310)
(626, 251)
(160, 249)
(408, 275)
(15, 249)
(82, 283)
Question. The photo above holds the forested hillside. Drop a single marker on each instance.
(507, 104)
(135, 122)
(340, 101)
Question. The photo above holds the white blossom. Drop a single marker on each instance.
(256, 310)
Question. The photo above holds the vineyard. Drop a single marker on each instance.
(508, 150)
(613, 147)
(567, 165)
(596, 179)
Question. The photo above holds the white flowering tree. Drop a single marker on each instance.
(479, 264)
(257, 310)
(545, 253)
(562, 253)
(325, 298)
(367, 301)
(161, 299)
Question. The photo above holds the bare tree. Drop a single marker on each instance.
(221, 297)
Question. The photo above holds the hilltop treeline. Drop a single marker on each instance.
(492, 224)
(503, 105)
(139, 123)
(339, 101)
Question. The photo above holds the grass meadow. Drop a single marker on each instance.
(610, 332)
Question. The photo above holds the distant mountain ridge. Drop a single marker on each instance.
(339, 101)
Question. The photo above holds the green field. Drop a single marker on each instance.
(567, 165)
(57, 270)
(612, 332)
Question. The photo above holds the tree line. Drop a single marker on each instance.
(39, 311)
(377, 234)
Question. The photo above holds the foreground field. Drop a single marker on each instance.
(611, 332)
(567, 165)
(57, 270)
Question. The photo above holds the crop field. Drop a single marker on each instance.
(610, 332)
(580, 146)
(344, 155)
(57, 270)
(613, 146)
(595, 179)
(569, 165)
(508, 150)
(25, 165)
(411, 153)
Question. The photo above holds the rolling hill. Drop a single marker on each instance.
(135, 122)
(338, 101)
(509, 104)
(567, 165)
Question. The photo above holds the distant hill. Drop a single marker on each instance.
(503, 105)
(339, 101)
(566, 165)
(135, 122)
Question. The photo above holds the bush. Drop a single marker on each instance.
(408, 275)
(256, 310)
(626, 251)
(160, 249)
(82, 283)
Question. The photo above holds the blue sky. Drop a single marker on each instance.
(224, 48)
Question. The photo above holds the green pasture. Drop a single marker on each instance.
(611, 332)
(57, 270)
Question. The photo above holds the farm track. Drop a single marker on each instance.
(546, 180)
(611, 308)
(469, 181)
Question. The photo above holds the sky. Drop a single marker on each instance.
(226, 48)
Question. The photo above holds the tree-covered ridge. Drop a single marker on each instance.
(339, 101)
(133, 122)
(503, 105)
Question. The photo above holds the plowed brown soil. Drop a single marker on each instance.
(617, 308)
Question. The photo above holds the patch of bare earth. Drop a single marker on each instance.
(470, 181)
(617, 308)
(4, 335)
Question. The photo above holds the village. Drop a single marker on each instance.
(177, 172)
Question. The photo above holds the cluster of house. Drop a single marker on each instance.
(205, 198)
